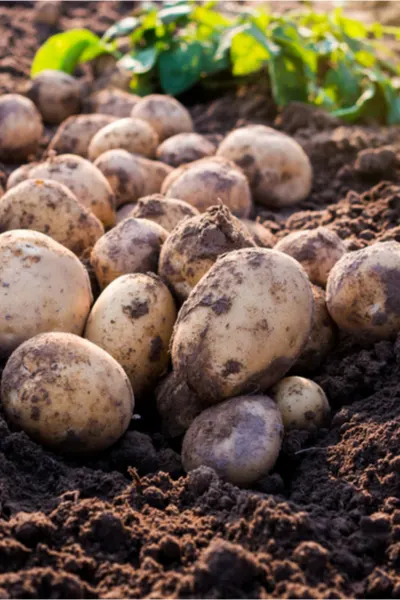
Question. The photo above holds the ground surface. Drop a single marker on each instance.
(326, 523)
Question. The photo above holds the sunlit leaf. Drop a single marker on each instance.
(63, 51)
(180, 67)
(121, 28)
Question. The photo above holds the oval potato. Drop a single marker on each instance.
(133, 135)
(165, 114)
(114, 102)
(167, 212)
(301, 402)
(75, 133)
(21, 128)
(184, 148)
(56, 94)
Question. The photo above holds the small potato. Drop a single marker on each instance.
(75, 133)
(48, 12)
(194, 246)
(243, 325)
(317, 250)
(166, 115)
(132, 320)
(133, 246)
(21, 128)
(184, 148)
(57, 95)
(44, 287)
(260, 234)
(240, 439)
(177, 406)
(301, 402)
(51, 208)
(363, 291)
(133, 135)
(113, 101)
(67, 393)
(167, 212)
(278, 169)
(205, 182)
(125, 211)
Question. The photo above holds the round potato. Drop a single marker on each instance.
(239, 438)
(195, 244)
(21, 128)
(278, 169)
(177, 406)
(243, 325)
(167, 212)
(260, 234)
(125, 211)
(20, 174)
(133, 135)
(67, 393)
(133, 246)
(57, 95)
(184, 148)
(44, 287)
(301, 402)
(113, 101)
(74, 135)
(166, 115)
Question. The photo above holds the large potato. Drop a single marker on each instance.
(44, 287)
(166, 115)
(239, 438)
(67, 393)
(21, 128)
(177, 405)
(243, 325)
(132, 320)
(262, 236)
(57, 95)
(167, 212)
(184, 148)
(301, 402)
(74, 135)
(113, 101)
(133, 135)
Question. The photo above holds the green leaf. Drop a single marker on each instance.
(211, 18)
(140, 61)
(362, 107)
(247, 55)
(180, 68)
(288, 79)
(63, 51)
(343, 82)
(172, 14)
(121, 29)
(212, 60)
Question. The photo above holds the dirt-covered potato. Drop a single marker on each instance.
(301, 402)
(177, 406)
(243, 325)
(133, 246)
(133, 135)
(317, 250)
(363, 291)
(184, 148)
(67, 393)
(195, 244)
(57, 95)
(44, 287)
(131, 176)
(167, 212)
(166, 115)
(133, 320)
(262, 236)
(48, 12)
(205, 182)
(239, 438)
(125, 211)
(74, 135)
(21, 128)
(20, 174)
(113, 101)
(278, 169)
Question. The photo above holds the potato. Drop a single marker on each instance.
(278, 169)
(57, 95)
(184, 148)
(51, 208)
(363, 291)
(133, 246)
(167, 212)
(240, 439)
(1, 191)
(20, 174)
(132, 320)
(67, 393)
(21, 128)
(195, 244)
(44, 287)
(317, 250)
(166, 115)
(125, 211)
(113, 101)
(204, 182)
(131, 176)
(75, 133)
(243, 325)
(260, 234)
(133, 135)
(177, 406)
(301, 402)
(47, 12)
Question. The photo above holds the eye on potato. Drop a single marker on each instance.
(301, 402)
(133, 135)
(57, 95)
(243, 325)
(260, 234)
(75, 133)
(184, 148)
(67, 393)
(21, 128)
(114, 102)
(177, 406)
(166, 115)
(239, 438)
(167, 212)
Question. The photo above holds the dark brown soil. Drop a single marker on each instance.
(324, 524)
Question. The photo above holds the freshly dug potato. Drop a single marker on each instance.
(239, 438)
(177, 406)
(363, 291)
(243, 325)
(167, 212)
(165, 114)
(301, 402)
(57, 95)
(133, 135)
(125, 211)
(44, 287)
(184, 148)
(278, 169)
(195, 244)
(133, 246)
(131, 176)
(132, 320)
(260, 234)
(113, 101)
(75, 133)
(204, 182)
(317, 250)
(51, 208)
(21, 128)
(20, 174)
(67, 393)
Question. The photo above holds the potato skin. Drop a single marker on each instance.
(243, 325)
(21, 128)
(166, 115)
(167, 212)
(125, 211)
(20, 174)
(177, 405)
(56, 95)
(133, 135)
(301, 402)
(67, 393)
(239, 438)
(114, 102)
(75, 133)
(45, 287)
(184, 148)
(260, 234)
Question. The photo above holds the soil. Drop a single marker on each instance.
(325, 523)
